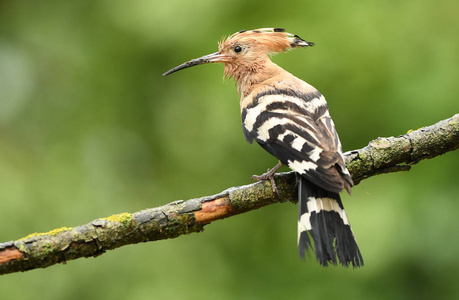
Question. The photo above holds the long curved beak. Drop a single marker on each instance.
(210, 58)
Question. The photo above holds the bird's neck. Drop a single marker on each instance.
(249, 77)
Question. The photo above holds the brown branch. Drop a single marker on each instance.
(382, 155)
(393, 154)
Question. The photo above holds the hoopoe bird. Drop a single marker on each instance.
(289, 118)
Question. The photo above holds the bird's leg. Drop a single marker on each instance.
(269, 175)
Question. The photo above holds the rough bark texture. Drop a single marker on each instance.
(383, 155)
(393, 154)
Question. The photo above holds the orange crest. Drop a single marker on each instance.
(269, 40)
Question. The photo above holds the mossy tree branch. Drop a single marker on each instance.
(382, 155)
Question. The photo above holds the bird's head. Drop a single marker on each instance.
(246, 51)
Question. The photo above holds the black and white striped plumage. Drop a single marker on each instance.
(289, 118)
(295, 126)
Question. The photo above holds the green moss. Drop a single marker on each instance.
(47, 249)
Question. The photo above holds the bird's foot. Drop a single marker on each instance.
(269, 175)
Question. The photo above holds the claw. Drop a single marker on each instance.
(269, 175)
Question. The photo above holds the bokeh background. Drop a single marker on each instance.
(90, 128)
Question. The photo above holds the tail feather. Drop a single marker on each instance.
(322, 218)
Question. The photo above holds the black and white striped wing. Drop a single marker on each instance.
(298, 130)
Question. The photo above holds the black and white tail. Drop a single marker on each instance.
(322, 217)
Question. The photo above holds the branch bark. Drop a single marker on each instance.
(383, 155)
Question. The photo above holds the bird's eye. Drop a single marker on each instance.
(237, 49)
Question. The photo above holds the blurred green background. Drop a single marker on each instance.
(90, 128)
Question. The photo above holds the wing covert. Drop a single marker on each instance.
(301, 134)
